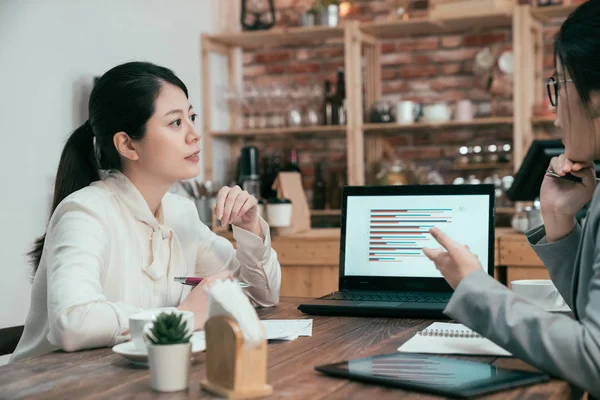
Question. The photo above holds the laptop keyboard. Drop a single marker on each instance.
(397, 297)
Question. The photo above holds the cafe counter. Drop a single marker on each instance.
(310, 260)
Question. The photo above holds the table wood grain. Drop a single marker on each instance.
(102, 374)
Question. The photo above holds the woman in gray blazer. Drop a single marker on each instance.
(564, 347)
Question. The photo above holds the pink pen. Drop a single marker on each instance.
(193, 281)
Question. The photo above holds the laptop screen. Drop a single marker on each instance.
(385, 234)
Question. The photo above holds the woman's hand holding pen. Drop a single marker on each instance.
(197, 300)
(455, 262)
(238, 207)
(561, 199)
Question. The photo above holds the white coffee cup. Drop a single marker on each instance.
(279, 213)
(541, 292)
(407, 112)
(465, 110)
(138, 322)
(439, 112)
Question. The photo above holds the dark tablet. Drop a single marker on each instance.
(438, 375)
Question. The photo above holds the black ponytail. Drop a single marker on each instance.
(122, 101)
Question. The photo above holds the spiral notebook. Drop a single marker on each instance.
(447, 338)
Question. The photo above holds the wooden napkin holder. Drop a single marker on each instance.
(233, 371)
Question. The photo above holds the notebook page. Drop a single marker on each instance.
(440, 344)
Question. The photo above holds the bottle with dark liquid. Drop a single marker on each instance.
(266, 178)
(275, 168)
(338, 101)
(319, 187)
(335, 191)
(291, 162)
(327, 106)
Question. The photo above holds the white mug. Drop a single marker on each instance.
(279, 213)
(407, 112)
(140, 322)
(439, 112)
(541, 292)
(465, 111)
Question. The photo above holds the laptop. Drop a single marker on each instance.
(383, 271)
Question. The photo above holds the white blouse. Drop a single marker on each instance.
(107, 256)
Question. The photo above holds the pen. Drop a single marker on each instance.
(568, 177)
(192, 281)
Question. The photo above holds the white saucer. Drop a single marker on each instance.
(564, 309)
(128, 350)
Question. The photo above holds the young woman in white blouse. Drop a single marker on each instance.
(116, 238)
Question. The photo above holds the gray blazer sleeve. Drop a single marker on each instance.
(558, 257)
(554, 343)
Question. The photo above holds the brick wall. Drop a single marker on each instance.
(423, 68)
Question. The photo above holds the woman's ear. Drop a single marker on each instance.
(125, 146)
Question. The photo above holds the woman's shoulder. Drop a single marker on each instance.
(93, 199)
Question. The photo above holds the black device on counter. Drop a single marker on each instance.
(438, 375)
(528, 179)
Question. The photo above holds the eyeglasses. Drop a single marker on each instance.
(552, 87)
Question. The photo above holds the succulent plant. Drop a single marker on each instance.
(169, 328)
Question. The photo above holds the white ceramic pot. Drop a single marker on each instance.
(169, 366)
(279, 213)
(435, 113)
(465, 111)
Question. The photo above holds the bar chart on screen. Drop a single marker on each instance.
(385, 235)
(399, 235)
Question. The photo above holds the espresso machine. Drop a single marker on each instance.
(249, 177)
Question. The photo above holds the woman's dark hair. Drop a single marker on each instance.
(122, 100)
(577, 48)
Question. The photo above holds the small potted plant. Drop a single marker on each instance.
(169, 352)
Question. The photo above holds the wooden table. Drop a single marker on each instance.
(101, 374)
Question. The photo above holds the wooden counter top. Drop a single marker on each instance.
(511, 247)
(310, 260)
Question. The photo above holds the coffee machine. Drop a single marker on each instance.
(249, 177)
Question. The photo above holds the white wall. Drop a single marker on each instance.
(49, 53)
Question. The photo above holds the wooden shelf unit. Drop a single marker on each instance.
(301, 130)
(362, 41)
(425, 26)
(479, 122)
(482, 166)
(278, 37)
(548, 13)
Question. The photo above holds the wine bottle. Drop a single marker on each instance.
(339, 100)
(319, 187)
(335, 192)
(275, 168)
(266, 178)
(291, 162)
(327, 106)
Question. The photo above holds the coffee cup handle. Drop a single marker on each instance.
(417, 111)
(146, 332)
